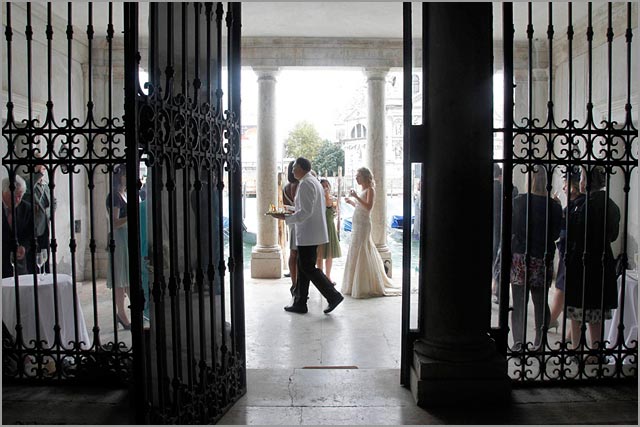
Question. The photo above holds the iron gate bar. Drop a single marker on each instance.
(548, 257)
(90, 170)
(156, 163)
(14, 239)
(216, 190)
(186, 183)
(608, 178)
(39, 343)
(407, 60)
(71, 170)
(628, 123)
(563, 346)
(198, 187)
(589, 125)
(235, 205)
(131, 88)
(507, 173)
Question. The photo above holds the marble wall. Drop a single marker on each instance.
(602, 98)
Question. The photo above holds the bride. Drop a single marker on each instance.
(364, 274)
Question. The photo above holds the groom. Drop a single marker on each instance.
(310, 231)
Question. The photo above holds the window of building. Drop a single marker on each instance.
(358, 132)
(397, 128)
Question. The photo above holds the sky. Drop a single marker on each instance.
(317, 96)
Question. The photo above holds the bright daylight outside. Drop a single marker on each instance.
(325, 112)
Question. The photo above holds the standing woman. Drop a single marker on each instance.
(575, 199)
(332, 249)
(591, 283)
(288, 196)
(364, 274)
(532, 256)
(119, 263)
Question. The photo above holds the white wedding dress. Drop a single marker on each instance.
(364, 274)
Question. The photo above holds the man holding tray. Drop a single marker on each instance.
(310, 231)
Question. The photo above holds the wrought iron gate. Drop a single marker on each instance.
(80, 128)
(188, 137)
(570, 141)
(567, 75)
(64, 134)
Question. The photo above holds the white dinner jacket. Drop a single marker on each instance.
(309, 217)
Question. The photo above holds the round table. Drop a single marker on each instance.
(46, 310)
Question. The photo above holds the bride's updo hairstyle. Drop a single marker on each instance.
(367, 176)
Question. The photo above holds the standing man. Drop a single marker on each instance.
(41, 201)
(310, 231)
(18, 225)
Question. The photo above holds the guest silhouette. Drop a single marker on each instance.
(591, 287)
(330, 250)
(17, 223)
(118, 272)
(364, 274)
(288, 197)
(42, 203)
(575, 198)
(310, 231)
(532, 273)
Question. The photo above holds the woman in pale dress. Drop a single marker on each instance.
(364, 274)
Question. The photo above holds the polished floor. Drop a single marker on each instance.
(360, 332)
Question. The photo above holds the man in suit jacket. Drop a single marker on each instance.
(310, 231)
(22, 222)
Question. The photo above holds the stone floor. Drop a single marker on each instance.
(360, 332)
(341, 368)
(374, 396)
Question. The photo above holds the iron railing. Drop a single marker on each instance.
(552, 131)
(178, 157)
(59, 122)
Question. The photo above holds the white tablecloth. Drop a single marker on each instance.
(46, 309)
(630, 311)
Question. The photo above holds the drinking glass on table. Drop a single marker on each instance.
(41, 259)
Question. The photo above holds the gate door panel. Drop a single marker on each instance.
(566, 141)
(188, 135)
(63, 150)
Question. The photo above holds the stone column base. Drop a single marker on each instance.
(443, 383)
(266, 263)
(385, 254)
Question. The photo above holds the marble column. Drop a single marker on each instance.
(455, 362)
(266, 257)
(375, 158)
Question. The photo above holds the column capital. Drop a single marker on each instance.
(376, 73)
(266, 73)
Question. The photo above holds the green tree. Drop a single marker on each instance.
(329, 158)
(304, 140)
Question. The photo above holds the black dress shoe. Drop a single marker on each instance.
(333, 305)
(302, 309)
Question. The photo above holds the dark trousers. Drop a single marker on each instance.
(540, 310)
(307, 271)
